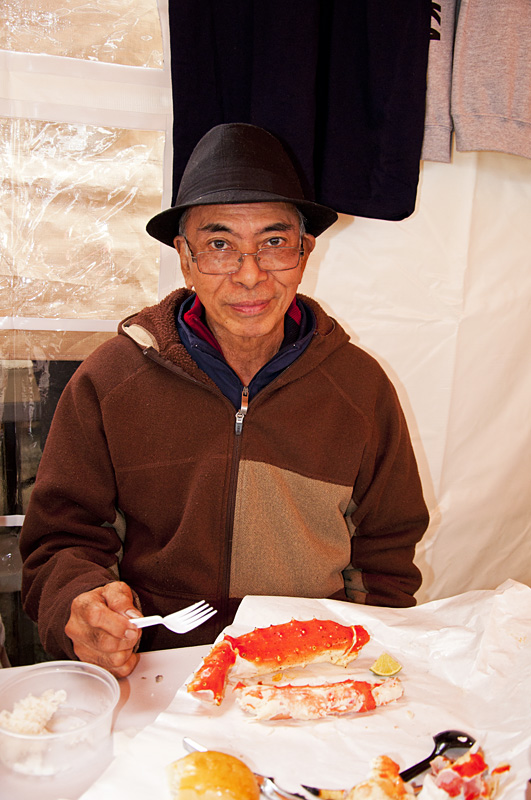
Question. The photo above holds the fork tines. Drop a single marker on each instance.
(196, 616)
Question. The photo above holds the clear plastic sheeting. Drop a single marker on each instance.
(73, 207)
(10, 561)
(34, 369)
(110, 31)
(20, 403)
(21, 636)
(85, 111)
(49, 345)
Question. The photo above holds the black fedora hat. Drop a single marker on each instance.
(239, 163)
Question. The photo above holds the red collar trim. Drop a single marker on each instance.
(193, 318)
(294, 312)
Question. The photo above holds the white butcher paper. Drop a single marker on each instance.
(466, 664)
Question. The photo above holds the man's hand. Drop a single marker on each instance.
(100, 630)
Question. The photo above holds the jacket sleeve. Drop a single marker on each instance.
(69, 541)
(389, 514)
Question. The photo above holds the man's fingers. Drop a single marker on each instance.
(119, 597)
(125, 669)
(100, 631)
(119, 664)
(105, 626)
(100, 613)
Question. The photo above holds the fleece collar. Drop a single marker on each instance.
(299, 327)
(155, 331)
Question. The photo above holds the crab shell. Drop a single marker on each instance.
(291, 644)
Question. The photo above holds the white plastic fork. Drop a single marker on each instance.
(180, 621)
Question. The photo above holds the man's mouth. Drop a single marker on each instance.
(250, 307)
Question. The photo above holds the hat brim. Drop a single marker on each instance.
(165, 226)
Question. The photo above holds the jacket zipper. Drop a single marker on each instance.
(240, 415)
(151, 353)
(233, 486)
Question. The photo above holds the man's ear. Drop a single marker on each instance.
(180, 245)
(308, 243)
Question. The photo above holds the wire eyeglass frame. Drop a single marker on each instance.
(241, 256)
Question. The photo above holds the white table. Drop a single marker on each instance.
(143, 695)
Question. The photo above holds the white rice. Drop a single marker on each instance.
(31, 715)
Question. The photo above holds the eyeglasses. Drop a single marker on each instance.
(226, 262)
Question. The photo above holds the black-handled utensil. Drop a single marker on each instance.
(445, 740)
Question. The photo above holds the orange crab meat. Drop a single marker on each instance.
(211, 677)
(292, 644)
(299, 643)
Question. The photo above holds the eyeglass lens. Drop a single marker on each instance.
(225, 261)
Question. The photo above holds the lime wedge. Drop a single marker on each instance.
(386, 666)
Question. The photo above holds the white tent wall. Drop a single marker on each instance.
(441, 299)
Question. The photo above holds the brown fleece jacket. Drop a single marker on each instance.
(144, 476)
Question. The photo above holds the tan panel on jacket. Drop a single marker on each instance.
(290, 534)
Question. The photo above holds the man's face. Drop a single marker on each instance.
(251, 302)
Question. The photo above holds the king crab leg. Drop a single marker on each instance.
(266, 702)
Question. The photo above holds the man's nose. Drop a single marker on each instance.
(249, 273)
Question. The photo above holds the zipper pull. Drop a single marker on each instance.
(243, 410)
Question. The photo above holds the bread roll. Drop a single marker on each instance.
(211, 776)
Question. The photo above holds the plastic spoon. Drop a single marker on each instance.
(445, 740)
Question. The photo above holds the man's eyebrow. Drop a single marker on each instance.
(279, 226)
(215, 227)
(219, 227)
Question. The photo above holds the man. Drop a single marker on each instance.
(229, 441)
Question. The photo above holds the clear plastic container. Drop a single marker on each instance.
(81, 725)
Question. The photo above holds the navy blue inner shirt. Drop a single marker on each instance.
(203, 348)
